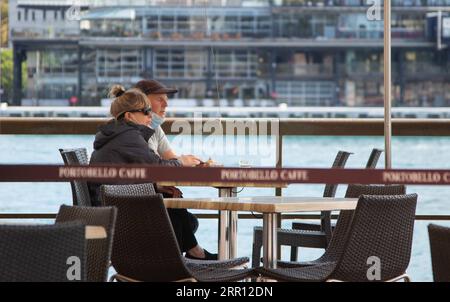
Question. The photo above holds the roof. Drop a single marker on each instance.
(110, 13)
(52, 3)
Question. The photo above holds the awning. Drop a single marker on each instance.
(110, 13)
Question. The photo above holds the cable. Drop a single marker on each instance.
(213, 59)
(238, 191)
(254, 215)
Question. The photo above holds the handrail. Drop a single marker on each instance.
(287, 126)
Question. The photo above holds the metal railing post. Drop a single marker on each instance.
(387, 84)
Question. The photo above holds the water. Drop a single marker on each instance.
(307, 151)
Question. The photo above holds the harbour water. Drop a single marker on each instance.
(305, 151)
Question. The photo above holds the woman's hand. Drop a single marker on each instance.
(189, 160)
(173, 191)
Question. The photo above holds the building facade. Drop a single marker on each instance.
(248, 53)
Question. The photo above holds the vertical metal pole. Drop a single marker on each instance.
(387, 84)
(279, 156)
(1, 36)
(80, 78)
(232, 225)
(209, 74)
(439, 30)
(227, 228)
(223, 247)
(279, 164)
(270, 241)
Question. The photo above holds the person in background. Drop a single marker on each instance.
(124, 139)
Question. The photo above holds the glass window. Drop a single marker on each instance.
(180, 63)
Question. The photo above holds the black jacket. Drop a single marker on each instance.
(121, 142)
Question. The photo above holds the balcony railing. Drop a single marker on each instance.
(425, 68)
(287, 127)
(303, 70)
(361, 3)
(47, 33)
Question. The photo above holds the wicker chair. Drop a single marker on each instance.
(98, 250)
(80, 190)
(81, 154)
(373, 158)
(148, 190)
(314, 236)
(440, 250)
(382, 227)
(40, 253)
(371, 164)
(145, 247)
(336, 246)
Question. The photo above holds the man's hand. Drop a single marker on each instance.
(189, 160)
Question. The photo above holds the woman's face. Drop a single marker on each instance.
(139, 117)
(159, 103)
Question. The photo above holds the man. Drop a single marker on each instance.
(157, 94)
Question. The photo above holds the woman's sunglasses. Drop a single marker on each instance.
(146, 111)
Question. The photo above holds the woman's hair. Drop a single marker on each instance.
(126, 100)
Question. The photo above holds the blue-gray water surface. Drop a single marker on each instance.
(305, 151)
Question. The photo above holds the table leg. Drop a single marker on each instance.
(224, 244)
(227, 228)
(232, 222)
(270, 242)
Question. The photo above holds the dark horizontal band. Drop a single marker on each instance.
(219, 176)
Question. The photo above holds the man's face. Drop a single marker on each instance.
(159, 103)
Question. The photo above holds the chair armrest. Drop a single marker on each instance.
(306, 226)
(121, 278)
(309, 226)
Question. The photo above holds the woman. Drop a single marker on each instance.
(125, 140)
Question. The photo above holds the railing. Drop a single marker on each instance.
(309, 70)
(50, 33)
(287, 127)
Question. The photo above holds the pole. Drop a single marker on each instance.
(1, 34)
(387, 84)
(439, 30)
